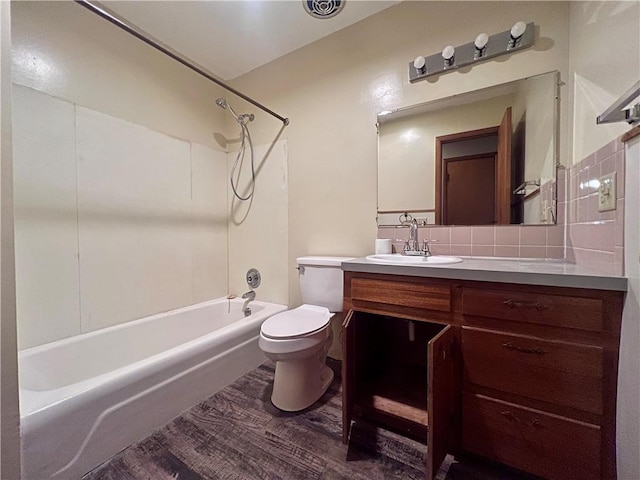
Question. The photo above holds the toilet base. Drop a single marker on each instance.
(299, 384)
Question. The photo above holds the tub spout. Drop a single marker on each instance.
(248, 297)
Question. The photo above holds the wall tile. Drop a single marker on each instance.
(508, 235)
(483, 235)
(555, 236)
(533, 236)
(483, 250)
(507, 251)
(527, 251)
(461, 250)
(555, 252)
(441, 248)
(605, 151)
(620, 174)
(441, 234)
(461, 235)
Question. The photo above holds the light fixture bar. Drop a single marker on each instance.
(468, 54)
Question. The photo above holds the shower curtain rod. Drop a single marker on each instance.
(146, 38)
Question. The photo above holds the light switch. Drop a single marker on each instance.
(607, 193)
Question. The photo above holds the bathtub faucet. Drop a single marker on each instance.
(248, 297)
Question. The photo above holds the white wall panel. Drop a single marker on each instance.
(209, 223)
(258, 229)
(134, 220)
(46, 229)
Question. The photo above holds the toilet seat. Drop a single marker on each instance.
(299, 322)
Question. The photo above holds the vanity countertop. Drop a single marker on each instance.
(554, 273)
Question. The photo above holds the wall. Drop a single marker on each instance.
(258, 228)
(333, 89)
(9, 410)
(605, 63)
(628, 434)
(120, 179)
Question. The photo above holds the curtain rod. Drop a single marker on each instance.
(146, 38)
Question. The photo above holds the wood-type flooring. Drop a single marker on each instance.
(237, 434)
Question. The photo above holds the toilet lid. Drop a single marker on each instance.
(297, 322)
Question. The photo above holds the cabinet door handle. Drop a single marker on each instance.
(526, 305)
(516, 348)
(509, 416)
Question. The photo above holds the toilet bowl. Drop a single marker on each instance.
(298, 340)
(301, 376)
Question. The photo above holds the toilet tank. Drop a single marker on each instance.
(321, 281)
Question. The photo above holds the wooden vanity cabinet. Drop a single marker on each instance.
(523, 375)
(540, 378)
(399, 366)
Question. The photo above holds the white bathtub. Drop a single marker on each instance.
(85, 398)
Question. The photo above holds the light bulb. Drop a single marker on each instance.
(518, 29)
(481, 41)
(419, 64)
(448, 52)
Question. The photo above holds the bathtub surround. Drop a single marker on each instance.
(114, 221)
(169, 361)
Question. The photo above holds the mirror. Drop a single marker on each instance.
(479, 158)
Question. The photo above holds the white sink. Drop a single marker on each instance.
(399, 259)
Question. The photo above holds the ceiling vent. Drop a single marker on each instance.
(323, 8)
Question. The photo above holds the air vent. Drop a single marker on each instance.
(323, 8)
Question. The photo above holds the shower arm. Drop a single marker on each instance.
(146, 38)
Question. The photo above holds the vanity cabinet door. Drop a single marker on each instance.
(440, 399)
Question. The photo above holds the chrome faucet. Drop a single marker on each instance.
(248, 297)
(411, 245)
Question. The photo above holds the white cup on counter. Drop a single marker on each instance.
(383, 246)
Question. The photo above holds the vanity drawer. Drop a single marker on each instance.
(560, 373)
(548, 445)
(403, 294)
(556, 310)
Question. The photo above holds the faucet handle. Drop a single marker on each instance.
(425, 246)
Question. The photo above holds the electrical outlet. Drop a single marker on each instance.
(607, 193)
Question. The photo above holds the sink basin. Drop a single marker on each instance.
(398, 259)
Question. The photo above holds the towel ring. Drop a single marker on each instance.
(405, 218)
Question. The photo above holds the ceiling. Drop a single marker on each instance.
(230, 38)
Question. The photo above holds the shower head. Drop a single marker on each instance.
(242, 119)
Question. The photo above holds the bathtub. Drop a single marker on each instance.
(85, 398)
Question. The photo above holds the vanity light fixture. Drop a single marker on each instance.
(420, 64)
(449, 55)
(516, 33)
(484, 47)
(481, 45)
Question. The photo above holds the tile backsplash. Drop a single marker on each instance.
(592, 237)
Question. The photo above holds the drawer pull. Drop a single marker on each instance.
(516, 348)
(535, 423)
(509, 416)
(527, 305)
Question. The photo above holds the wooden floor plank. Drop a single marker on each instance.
(237, 434)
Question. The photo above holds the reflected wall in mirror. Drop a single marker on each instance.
(478, 158)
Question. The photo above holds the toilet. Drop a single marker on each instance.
(298, 340)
